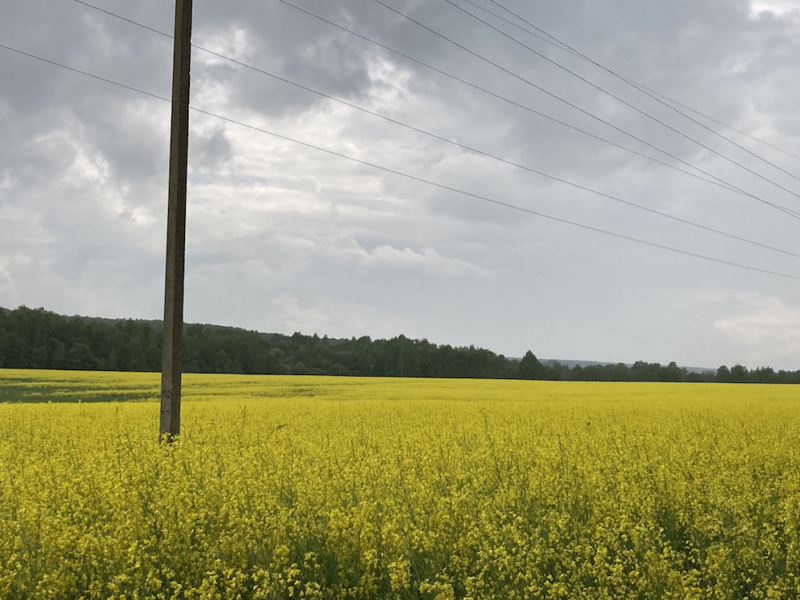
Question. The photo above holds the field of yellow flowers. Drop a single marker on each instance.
(321, 487)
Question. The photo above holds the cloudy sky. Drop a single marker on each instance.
(283, 237)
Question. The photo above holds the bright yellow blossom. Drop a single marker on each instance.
(337, 488)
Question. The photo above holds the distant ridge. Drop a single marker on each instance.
(156, 324)
(40, 339)
(586, 363)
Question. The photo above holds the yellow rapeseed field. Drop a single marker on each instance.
(321, 487)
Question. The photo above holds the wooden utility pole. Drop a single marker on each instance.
(176, 225)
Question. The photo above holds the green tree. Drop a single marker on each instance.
(621, 372)
(112, 361)
(531, 368)
(58, 360)
(671, 372)
(39, 357)
(80, 357)
(739, 374)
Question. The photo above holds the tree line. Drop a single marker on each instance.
(39, 339)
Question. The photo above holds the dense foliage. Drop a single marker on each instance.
(38, 339)
(334, 488)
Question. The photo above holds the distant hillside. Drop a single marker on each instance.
(587, 363)
(39, 339)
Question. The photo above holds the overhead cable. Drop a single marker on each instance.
(412, 177)
(641, 89)
(714, 179)
(458, 144)
(560, 45)
(576, 107)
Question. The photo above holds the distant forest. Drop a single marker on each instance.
(39, 339)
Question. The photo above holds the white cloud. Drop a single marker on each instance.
(778, 7)
(767, 329)
(428, 259)
(289, 314)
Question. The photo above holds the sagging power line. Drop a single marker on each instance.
(414, 177)
(641, 89)
(722, 183)
(555, 42)
(458, 144)
(588, 113)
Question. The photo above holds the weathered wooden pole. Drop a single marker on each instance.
(170, 424)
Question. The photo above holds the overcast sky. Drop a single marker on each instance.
(284, 238)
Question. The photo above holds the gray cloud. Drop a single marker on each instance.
(282, 237)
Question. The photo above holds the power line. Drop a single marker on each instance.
(641, 89)
(580, 77)
(715, 180)
(520, 27)
(409, 176)
(457, 144)
(568, 103)
(718, 122)
(561, 46)
(92, 75)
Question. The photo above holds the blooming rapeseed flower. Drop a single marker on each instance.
(304, 487)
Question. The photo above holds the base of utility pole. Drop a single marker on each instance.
(170, 422)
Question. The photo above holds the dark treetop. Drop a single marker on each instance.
(39, 339)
